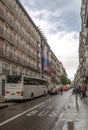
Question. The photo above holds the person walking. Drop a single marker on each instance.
(76, 91)
(73, 91)
(83, 92)
(80, 92)
(61, 89)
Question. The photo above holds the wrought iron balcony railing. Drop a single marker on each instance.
(5, 71)
(14, 58)
(10, 6)
(15, 42)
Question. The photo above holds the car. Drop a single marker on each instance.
(58, 88)
(55, 90)
(65, 88)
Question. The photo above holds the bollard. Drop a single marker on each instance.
(70, 125)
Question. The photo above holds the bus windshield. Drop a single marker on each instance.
(13, 79)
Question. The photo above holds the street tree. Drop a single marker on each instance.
(63, 80)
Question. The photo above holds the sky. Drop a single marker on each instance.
(60, 23)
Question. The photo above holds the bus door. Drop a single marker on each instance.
(3, 87)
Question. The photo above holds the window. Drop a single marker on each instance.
(30, 81)
(42, 82)
(13, 79)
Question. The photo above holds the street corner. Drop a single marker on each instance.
(3, 105)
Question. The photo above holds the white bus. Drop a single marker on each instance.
(24, 87)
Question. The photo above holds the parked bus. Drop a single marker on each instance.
(24, 87)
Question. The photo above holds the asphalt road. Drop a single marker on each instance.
(39, 114)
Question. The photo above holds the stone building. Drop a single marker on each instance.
(83, 43)
(23, 48)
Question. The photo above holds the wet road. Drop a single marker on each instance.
(38, 114)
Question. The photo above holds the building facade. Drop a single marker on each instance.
(83, 44)
(20, 42)
(23, 48)
(57, 69)
(77, 80)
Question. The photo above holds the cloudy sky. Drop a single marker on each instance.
(60, 23)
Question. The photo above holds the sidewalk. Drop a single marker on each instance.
(75, 115)
(3, 103)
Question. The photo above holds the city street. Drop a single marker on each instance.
(38, 114)
(43, 65)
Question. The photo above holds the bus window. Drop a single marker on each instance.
(13, 79)
(30, 81)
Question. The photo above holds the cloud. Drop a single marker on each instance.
(67, 11)
(65, 45)
(59, 20)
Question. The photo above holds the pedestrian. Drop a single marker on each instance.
(73, 91)
(79, 88)
(83, 92)
(76, 91)
(61, 89)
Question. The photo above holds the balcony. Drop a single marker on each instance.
(54, 71)
(16, 59)
(30, 41)
(9, 20)
(15, 26)
(21, 73)
(39, 60)
(14, 72)
(10, 6)
(83, 6)
(7, 3)
(5, 71)
(53, 78)
(16, 43)
(2, 13)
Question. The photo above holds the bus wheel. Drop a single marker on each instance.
(32, 96)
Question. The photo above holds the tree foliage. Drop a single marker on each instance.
(69, 81)
(64, 80)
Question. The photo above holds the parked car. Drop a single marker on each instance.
(55, 90)
(58, 88)
(65, 88)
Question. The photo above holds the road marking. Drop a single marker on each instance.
(43, 113)
(53, 113)
(10, 119)
(32, 113)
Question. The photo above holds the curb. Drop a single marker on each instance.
(2, 101)
(3, 105)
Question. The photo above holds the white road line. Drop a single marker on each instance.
(3, 123)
